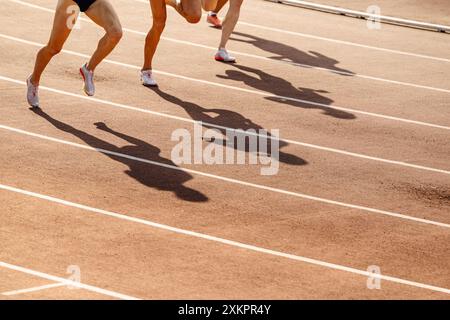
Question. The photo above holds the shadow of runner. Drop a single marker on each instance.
(287, 53)
(152, 176)
(277, 86)
(227, 118)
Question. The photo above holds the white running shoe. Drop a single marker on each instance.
(88, 77)
(32, 94)
(147, 78)
(223, 56)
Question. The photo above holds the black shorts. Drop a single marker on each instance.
(84, 4)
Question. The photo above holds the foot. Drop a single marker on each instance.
(214, 20)
(32, 94)
(147, 78)
(223, 56)
(88, 77)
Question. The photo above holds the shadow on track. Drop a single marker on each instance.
(283, 52)
(152, 176)
(277, 86)
(226, 118)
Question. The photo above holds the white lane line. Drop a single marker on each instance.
(349, 43)
(257, 92)
(66, 282)
(34, 289)
(230, 180)
(303, 144)
(402, 83)
(225, 241)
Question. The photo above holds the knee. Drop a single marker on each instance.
(115, 34)
(53, 50)
(193, 16)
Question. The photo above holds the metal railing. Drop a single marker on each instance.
(366, 15)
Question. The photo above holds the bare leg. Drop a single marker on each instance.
(151, 41)
(230, 21)
(103, 14)
(219, 6)
(191, 10)
(65, 17)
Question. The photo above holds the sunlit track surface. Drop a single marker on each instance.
(89, 186)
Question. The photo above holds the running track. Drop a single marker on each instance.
(364, 176)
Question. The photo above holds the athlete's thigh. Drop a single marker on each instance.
(103, 14)
(66, 15)
(209, 5)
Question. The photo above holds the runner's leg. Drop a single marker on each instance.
(230, 21)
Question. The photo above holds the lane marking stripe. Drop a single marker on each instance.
(257, 92)
(223, 241)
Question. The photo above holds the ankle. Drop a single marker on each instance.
(34, 82)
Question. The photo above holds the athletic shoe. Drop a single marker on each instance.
(32, 94)
(223, 56)
(147, 79)
(214, 20)
(176, 3)
(88, 77)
